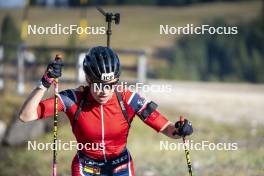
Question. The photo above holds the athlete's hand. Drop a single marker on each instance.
(184, 128)
(53, 71)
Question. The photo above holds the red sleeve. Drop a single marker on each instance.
(138, 104)
(46, 108)
(157, 121)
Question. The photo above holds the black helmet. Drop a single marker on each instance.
(101, 64)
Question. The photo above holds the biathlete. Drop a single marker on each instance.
(100, 114)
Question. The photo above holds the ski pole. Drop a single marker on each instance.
(55, 125)
(187, 152)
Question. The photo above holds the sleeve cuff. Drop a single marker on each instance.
(165, 126)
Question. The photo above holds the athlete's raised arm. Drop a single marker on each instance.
(28, 111)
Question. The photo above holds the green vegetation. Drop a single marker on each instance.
(9, 34)
(139, 26)
(208, 58)
(220, 57)
(9, 31)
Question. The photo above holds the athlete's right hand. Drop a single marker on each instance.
(53, 71)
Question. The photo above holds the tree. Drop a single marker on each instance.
(9, 31)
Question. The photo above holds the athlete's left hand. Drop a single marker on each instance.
(184, 129)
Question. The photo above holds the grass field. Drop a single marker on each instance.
(144, 143)
(230, 113)
(139, 27)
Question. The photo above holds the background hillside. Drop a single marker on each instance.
(216, 81)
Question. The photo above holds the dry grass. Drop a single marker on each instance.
(207, 105)
(139, 27)
(192, 100)
(144, 145)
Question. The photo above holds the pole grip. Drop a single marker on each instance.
(58, 57)
(182, 120)
(182, 123)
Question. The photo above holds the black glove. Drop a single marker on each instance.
(184, 129)
(53, 71)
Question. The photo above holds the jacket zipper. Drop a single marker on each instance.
(102, 120)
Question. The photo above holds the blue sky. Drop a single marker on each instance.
(11, 3)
